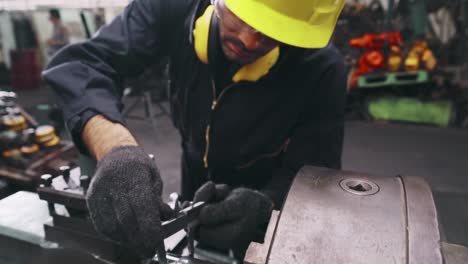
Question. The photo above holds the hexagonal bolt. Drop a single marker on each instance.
(65, 171)
(84, 182)
(174, 200)
(46, 180)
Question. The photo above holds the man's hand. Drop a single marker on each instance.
(124, 199)
(234, 220)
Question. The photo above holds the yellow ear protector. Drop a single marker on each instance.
(250, 72)
(201, 33)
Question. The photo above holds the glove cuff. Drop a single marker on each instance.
(121, 150)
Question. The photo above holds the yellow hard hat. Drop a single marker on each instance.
(300, 23)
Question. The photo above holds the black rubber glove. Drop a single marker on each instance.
(124, 200)
(235, 221)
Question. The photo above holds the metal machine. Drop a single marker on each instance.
(329, 217)
(72, 228)
(28, 149)
(344, 217)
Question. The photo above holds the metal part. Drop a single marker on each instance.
(455, 254)
(72, 227)
(423, 238)
(84, 182)
(46, 180)
(258, 253)
(394, 222)
(183, 260)
(77, 231)
(46, 162)
(360, 187)
(23, 240)
(174, 202)
(68, 199)
(191, 238)
(65, 172)
(161, 251)
(191, 260)
(216, 257)
(185, 217)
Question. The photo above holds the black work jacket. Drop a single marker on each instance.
(257, 134)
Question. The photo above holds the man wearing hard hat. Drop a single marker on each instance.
(256, 93)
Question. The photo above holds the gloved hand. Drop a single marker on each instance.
(124, 199)
(235, 218)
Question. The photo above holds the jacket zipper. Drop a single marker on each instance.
(214, 104)
(277, 152)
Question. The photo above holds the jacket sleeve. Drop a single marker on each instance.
(318, 138)
(87, 77)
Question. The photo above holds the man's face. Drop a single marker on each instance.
(53, 19)
(240, 42)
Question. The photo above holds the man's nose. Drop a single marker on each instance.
(250, 39)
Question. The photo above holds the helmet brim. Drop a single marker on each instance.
(283, 28)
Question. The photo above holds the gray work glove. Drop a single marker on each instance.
(233, 219)
(124, 200)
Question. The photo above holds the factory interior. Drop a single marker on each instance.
(114, 149)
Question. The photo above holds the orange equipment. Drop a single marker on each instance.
(395, 59)
(374, 58)
(420, 56)
(376, 41)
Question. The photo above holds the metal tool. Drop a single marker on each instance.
(184, 219)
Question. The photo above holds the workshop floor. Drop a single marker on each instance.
(440, 155)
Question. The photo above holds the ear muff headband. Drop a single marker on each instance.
(250, 72)
(201, 34)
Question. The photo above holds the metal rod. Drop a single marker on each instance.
(161, 251)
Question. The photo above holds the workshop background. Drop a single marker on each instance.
(407, 111)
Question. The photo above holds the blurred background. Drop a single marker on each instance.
(26, 27)
(406, 59)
